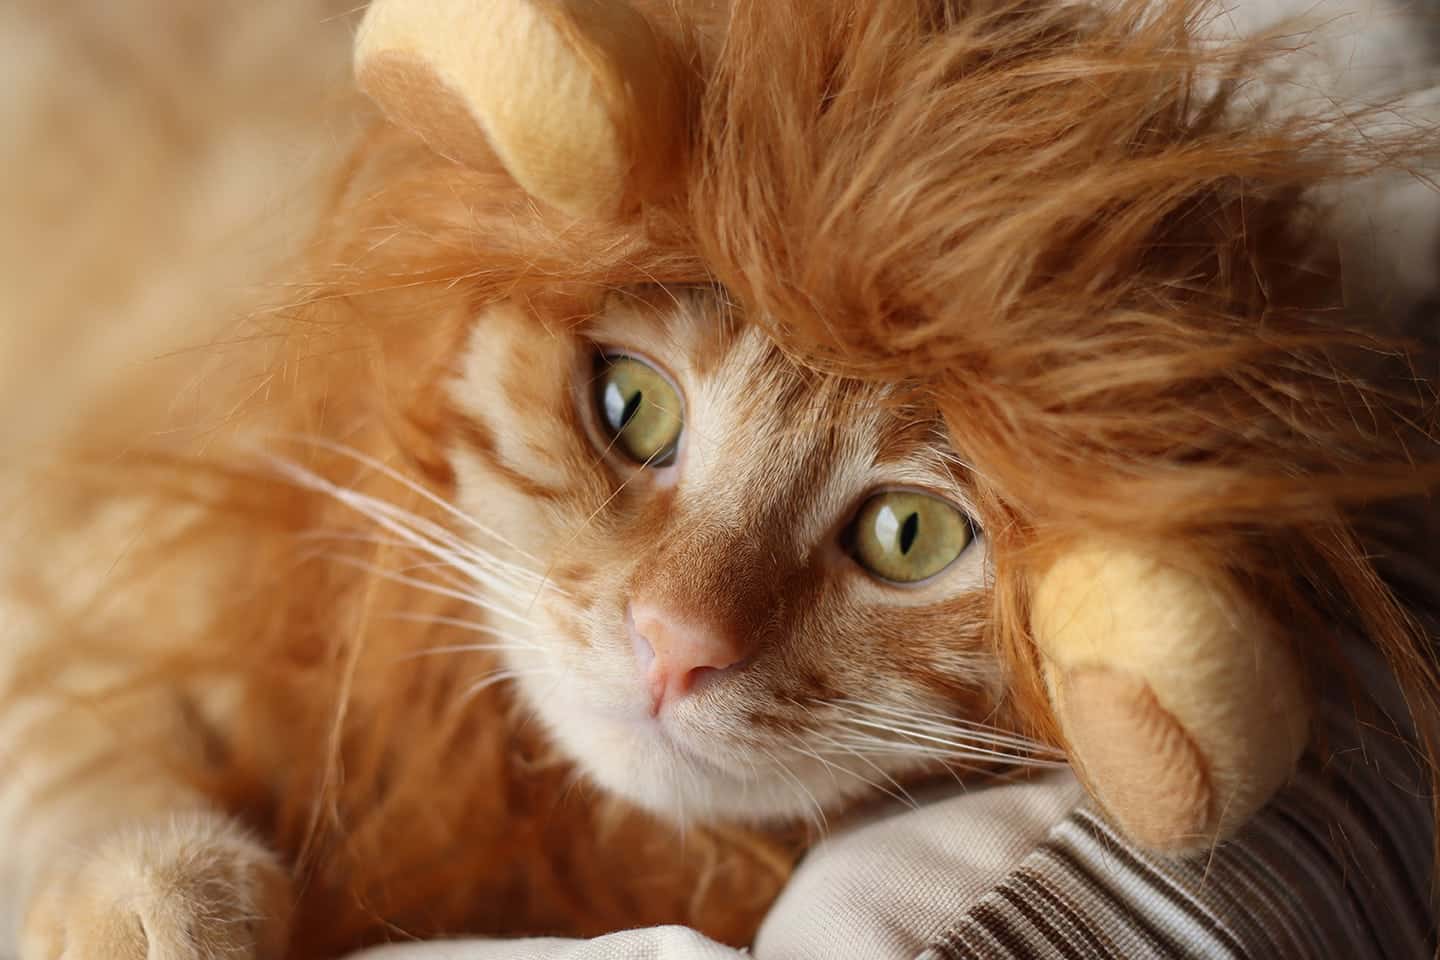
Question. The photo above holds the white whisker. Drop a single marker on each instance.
(958, 744)
(921, 723)
(500, 676)
(904, 795)
(436, 541)
(388, 471)
(457, 648)
(421, 534)
(831, 741)
(460, 623)
(471, 599)
(819, 818)
(832, 766)
(940, 748)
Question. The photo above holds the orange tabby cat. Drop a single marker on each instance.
(770, 637)
(487, 580)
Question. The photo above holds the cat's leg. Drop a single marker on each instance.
(109, 853)
(110, 846)
(176, 888)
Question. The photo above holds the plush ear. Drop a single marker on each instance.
(583, 101)
(1183, 714)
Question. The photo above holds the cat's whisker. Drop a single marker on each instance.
(922, 721)
(826, 739)
(504, 642)
(324, 535)
(886, 746)
(440, 543)
(501, 676)
(460, 623)
(374, 540)
(944, 749)
(831, 766)
(423, 535)
(452, 563)
(976, 740)
(685, 766)
(474, 600)
(964, 768)
(958, 764)
(449, 576)
(956, 744)
(819, 818)
(445, 574)
(846, 748)
(978, 736)
(460, 648)
(926, 720)
(486, 571)
(408, 483)
(920, 716)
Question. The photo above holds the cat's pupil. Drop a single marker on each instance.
(909, 530)
(632, 406)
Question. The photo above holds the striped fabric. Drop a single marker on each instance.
(1337, 867)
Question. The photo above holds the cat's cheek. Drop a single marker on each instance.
(519, 448)
(495, 504)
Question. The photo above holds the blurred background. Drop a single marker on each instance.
(162, 160)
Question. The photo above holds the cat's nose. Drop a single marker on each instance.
(673, 652)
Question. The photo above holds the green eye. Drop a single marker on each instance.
(906, 537)
(639, 409)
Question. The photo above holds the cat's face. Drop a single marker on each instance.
(763, 590)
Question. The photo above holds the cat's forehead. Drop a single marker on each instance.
(698, 338)
(741, 389)
(692, 328)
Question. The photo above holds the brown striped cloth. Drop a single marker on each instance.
(1338, 866)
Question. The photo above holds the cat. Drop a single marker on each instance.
(797, 625)
(490, 581)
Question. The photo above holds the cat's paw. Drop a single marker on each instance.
(193, 888)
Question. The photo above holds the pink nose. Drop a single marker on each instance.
(673, 652)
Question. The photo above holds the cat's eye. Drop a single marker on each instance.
(906, 537)
(639, 409)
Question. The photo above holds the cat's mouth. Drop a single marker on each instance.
(660, 728)
(614, 732)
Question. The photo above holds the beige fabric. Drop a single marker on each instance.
(885, 888)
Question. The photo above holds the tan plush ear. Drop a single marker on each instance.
(1183, 714)
(582, 101)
